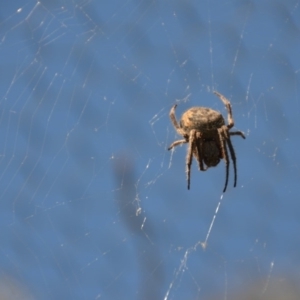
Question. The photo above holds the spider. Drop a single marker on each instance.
(208, 137)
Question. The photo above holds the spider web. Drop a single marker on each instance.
(93, 206)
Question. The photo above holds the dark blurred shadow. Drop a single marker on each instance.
(151, 273)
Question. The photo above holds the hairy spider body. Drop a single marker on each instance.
(208, 137)
(206, 121)
(202, 119)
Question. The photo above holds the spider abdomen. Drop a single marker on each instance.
(201, 119)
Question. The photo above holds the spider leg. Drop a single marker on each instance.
(240, 133)
(198, 152)
(233, 157)
(175, 123)
(177, 143)
(189, 157)
(228, 107)
(222, 137)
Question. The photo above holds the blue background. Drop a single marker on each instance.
(92, 205)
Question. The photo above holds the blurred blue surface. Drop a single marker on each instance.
(93, 206)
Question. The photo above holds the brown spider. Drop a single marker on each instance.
(208, 137)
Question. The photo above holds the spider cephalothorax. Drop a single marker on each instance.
(208, 137)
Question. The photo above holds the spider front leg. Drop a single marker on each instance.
(189, 157)
(198, 151)
(177, 143)
(223, 138)
(175, 123)
(240, 133)
(228, 107)
(233, 157)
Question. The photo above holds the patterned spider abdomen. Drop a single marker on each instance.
(202, 119)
